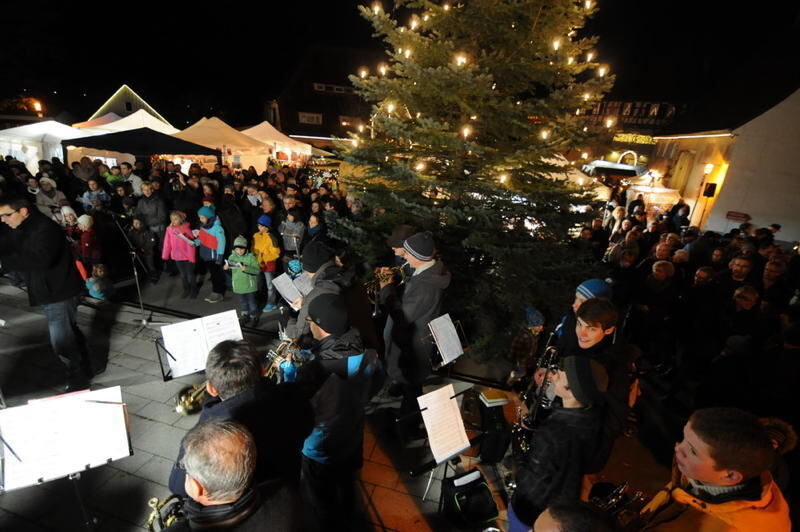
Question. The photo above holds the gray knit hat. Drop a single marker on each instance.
(421, 246)
(240, 242)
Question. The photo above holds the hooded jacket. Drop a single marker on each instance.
(244, 281)
(675, 509)
(179, 243)
(211, 233)
(408, 351)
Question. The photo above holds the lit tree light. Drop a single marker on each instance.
(556, 44)
(382, 69)
(363, 73)
(473, 117)
(361, 128)
(419, 167)
(588, 4)
(494, 86)
(577, 112)
(390, 108)
(426, 17)
(545, 134)
(584, 155)
(503, 178)
(589, 56)
(602, 71)
(461, 59)
(570, 60)
(519, 102)
(466, 131)
(418, 114)
(446, 7)
(414, 23)
(609, 122)
(585, 129)
(586, 96)
(377, 7)
(571, 33)
(407, 53)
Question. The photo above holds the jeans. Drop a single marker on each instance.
(186, 269)
(272, 294)
(68, 342)
(247, 304)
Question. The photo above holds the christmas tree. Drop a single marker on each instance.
(470, 111)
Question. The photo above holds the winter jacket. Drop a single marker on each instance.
(48, 204)
(408, 351)
(90, 197)
(561, 451)
(211, 234)
(143, 240)
(38, 250)
(90, 246)
(760, 508)
(266, 249)
(177, 248)
(244, 281)
(154, 212)
(292, 233)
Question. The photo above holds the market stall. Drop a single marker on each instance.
(238, 150)
(41, 140)
(286, 149)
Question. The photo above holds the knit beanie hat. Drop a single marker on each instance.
(85, 221)
(264, 220)
(533, 317)
(47, 180)
(587, 378)
(594, 288)
(329, 313)
(240, 242)
(399, 235)
(207, 212)
(66, 209)
(315, 255)
(421, 246)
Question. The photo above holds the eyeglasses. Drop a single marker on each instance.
(7, 214)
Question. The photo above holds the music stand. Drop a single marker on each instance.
(161, 353)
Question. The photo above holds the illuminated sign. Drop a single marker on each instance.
(633, 138)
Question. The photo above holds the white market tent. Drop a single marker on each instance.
(137, 120)
(238, 149)
(98, 122)
(41, 140)
(293, 150)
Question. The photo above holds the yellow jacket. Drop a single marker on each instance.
(264, 248)
(674, 509)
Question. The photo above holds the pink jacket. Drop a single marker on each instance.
(175, 247)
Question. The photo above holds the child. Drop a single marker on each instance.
(144, 241)
(179, 246)
(99, 285)
(211, 244)
(94, 195)
(292, 232)
(267, 251)
(245, 270)
(89, 252)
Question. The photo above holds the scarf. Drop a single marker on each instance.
(314, 230)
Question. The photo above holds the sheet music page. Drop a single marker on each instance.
(286, 288)
(304, 283)
(63, 435)
(446, 338)
(219, 327)
(443, 423)
(186, 341)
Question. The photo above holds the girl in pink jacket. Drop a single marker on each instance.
(179, 246)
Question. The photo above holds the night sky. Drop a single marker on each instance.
(189, 62)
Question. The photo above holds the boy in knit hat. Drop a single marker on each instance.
(245, 271)
(525, 346)
(564, 444)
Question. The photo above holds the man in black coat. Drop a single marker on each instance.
(277, 415)
(37, 248)
(220, 464)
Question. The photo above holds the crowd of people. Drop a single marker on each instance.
(697, 311)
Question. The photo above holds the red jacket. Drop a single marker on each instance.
(90, 247)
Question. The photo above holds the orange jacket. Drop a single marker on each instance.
(673, 509)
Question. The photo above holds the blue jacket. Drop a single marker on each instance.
(213, 228)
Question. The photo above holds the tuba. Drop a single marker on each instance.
(164, 512)
(190, 399)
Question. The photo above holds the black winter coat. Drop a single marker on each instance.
(38, 249)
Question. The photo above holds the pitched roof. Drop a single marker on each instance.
(215, 133)
(117, 101)
(142, 142)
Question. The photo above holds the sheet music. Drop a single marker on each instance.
(304, 283)
(286, 288)
(62, 435)
(190, 341)
(443, 423)
(446, 338)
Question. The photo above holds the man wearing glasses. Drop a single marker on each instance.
(37, 249)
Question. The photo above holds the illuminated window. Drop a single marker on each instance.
(626, 110)
(654, 109)
(310, 118)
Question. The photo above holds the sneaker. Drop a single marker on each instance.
(269, 308)
(214, 298)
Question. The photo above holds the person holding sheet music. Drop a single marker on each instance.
(245, 272)
(179, 246)
(36, 248)
(278, 415)
(564, 444)
(220, 465)
(408, 348)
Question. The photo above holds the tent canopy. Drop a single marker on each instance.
(49, 130)
(99, 121)
(266, 133)
(139, 119)
(142, 142)
(214, 133)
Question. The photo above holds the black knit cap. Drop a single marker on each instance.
(421, 246)
(315, 255)
(587, 378)
(399, 235)
(329, 313)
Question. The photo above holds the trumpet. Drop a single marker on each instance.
(190, 399)
(373, 286)
(165, 512)
(275, 357)
(522, 430)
